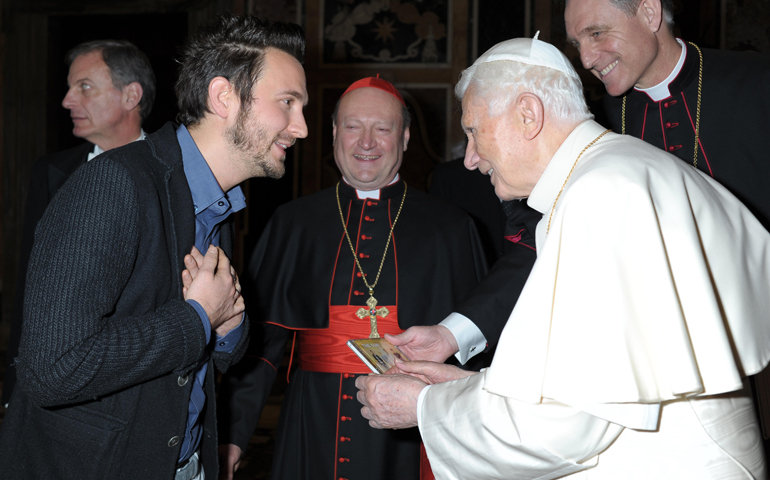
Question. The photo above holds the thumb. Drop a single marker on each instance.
(396, 339)
(211, 260)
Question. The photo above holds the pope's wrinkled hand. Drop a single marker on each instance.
(389, 401)
(430, 372)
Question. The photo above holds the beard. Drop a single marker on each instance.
(251, 140)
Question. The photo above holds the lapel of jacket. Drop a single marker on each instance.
(179, 213)
(226, 236)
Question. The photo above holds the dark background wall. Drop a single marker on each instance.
(35, 35)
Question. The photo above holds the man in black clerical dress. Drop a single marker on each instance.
(665, 90)
(507, 231)
(313, 275)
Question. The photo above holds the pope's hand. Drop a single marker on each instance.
(430, 372)
(389, 401)
(434, 343)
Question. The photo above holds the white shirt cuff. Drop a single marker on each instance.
(420, 399)
(468, 336)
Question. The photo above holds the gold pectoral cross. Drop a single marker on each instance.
(372, 312)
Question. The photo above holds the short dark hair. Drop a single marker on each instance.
(127, 64)
(631, 6)
(233, 47)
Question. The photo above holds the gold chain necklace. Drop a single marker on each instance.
(373, 311)
(553, 208)
(697, 111)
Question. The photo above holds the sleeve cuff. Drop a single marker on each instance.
(420, 400)
(204, 318)
(468, 336)
(227, 343)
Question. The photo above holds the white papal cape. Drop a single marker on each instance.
(626, 352)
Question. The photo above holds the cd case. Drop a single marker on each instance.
(377, 353)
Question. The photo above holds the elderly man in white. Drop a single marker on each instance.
(647, 307)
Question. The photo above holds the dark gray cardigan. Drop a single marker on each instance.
(109, 343)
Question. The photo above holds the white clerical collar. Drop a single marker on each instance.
(98, 150)
(551, 181)
(375, 194)
(661, 91)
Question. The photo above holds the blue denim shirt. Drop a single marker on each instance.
(212, 207)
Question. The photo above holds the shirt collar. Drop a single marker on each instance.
(98, 150)
(661, 90)
(375, 194)
(551, 182)
(204, 187)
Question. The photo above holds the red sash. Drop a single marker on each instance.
(326, 350)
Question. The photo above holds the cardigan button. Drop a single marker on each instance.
(173, 442)
(182, 380)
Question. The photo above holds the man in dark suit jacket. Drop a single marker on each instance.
(112, 89)
(472, 192)
(507, 230)
(117, 353)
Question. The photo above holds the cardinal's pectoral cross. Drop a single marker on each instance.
(372, 312)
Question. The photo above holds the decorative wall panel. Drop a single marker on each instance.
(397, 33)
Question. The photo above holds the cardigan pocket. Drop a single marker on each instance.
(71, 440)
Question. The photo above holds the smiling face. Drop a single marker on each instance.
(496, 146)
(619, 50)
(274, 120)
(95, 105)
(369, 139)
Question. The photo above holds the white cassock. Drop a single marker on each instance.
(626, 354)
